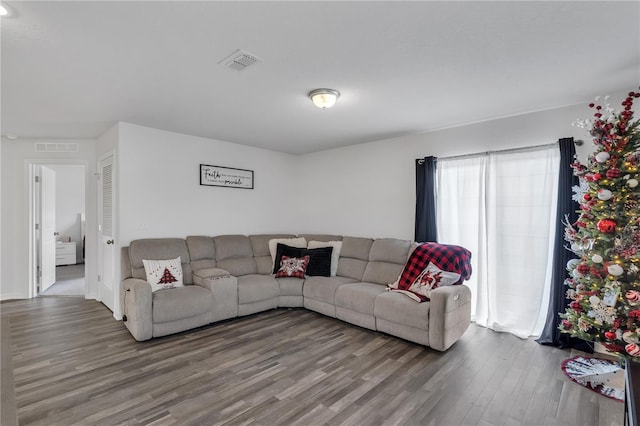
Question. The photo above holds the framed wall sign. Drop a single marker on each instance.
(226, 176)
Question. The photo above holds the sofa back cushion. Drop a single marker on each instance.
(386, 260)
(354, 257)
(261, 253)
(235, 254)
(202, 252)
(159, 249)
(321, 237)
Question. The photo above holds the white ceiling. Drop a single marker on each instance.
(72, 69)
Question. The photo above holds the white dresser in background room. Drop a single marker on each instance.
(65, 253)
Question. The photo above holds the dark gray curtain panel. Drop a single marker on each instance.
(557, 299)
(425, 230)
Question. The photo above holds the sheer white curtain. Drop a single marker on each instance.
(501, 206)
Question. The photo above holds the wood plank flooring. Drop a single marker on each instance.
(75, 365)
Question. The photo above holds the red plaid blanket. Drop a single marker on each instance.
(446, 257)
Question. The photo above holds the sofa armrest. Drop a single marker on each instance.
(449, 315)
(211, 273)
(137, 308)
(224, 289)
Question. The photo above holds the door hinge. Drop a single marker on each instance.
(37, 179)
(37, 226)
(38, 275)
(98, 277)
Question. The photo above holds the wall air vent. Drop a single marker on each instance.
(239, 60)
(57, 147)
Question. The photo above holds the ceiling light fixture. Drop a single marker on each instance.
(324, 98)
(3, 10)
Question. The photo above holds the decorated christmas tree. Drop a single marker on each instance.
(604, 281)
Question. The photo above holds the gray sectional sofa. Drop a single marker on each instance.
(230, 276)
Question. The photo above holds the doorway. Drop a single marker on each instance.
(59, 211)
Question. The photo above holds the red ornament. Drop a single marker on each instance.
(596, 177)
(607, 226)
(586, 197)
(613, 347)
(613, 173)
(583, 268)
(576, 306)
(566, 324)
(609, 335)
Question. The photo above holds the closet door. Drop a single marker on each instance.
(47, 248)
(106, 235)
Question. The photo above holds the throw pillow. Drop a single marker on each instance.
(293, 242)
(293, 267)
(163, 274)
(428, 280)
(335, 255)
(319, 259)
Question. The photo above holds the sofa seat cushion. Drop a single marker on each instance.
(256, 288)
(359, 297)
(178, 303)
(398, 308)
(290, 286)
(324, 288)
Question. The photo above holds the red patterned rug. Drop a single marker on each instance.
(600, 375)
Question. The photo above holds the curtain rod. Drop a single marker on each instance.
(501, 151)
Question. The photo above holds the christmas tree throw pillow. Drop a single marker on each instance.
(163, 274)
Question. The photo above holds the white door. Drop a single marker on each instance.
(106, 249)
(47, 226)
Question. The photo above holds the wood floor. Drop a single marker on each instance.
(74, 364)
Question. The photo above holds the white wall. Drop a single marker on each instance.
(366, 190)
(70, 203)
(16, 157)
(160, 193)
(369, 189)
(108, 142)
(1, 217)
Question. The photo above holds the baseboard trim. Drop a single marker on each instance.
(12, 296)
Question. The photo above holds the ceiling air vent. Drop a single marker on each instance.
(57, 147)
(239, 60)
